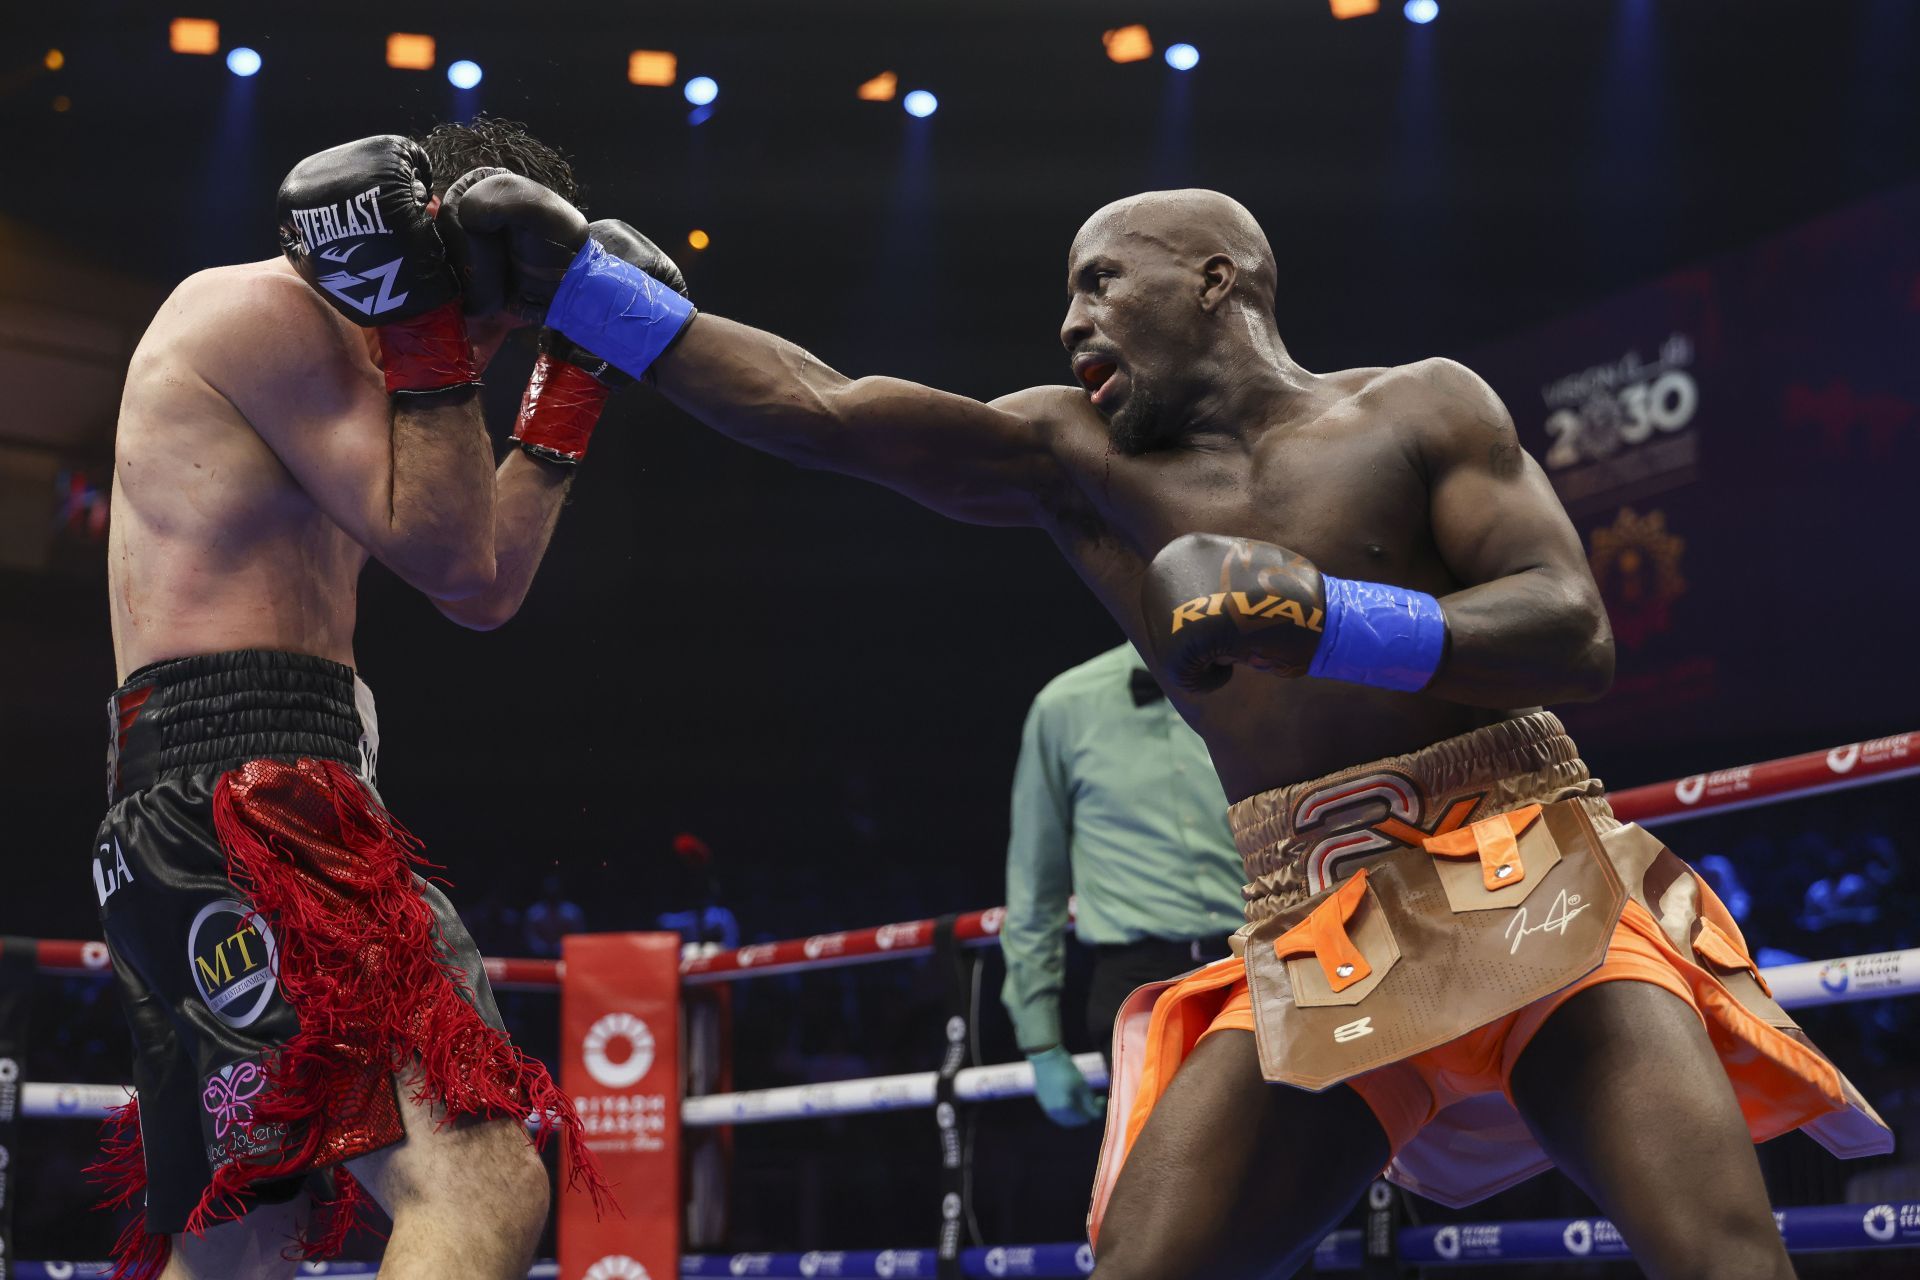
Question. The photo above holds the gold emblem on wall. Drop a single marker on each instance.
(1636, 561)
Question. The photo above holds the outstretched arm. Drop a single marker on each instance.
(983, 463)
(1530, 627)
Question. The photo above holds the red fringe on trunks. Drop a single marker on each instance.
(362, 965)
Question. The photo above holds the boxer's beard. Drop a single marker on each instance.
(1139, 426)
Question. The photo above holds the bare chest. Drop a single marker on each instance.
(1352, 501)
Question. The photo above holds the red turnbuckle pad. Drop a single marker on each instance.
(558, 413)
(428, 352)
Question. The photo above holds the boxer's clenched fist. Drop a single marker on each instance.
(1212, 601)
(514, 239)
(570, 384)
(353, 221)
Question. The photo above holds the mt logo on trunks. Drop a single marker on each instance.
(235, 963)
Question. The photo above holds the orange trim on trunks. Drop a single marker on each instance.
(1323, 934)
(1495, 840)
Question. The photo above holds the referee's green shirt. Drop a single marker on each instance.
(1117, 804)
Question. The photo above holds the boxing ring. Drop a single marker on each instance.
(1386, 1241)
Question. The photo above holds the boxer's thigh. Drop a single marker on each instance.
(1623, 1089)
(1234, 1178)
(469, 1175)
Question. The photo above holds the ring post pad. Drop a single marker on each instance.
(1435, 943)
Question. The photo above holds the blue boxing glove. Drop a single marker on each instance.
(616, 310)
(1063, 1093)
(1212, 602)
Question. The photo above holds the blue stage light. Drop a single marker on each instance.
(701, 90)
(1422, 11)
(243, 61)
(464, 74)
(920, 104)
(1182, 57)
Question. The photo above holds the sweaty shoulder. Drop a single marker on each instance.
(1048, 409)
(239, 324)
(1447, 409)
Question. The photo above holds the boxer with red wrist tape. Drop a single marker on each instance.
(1406, 592)
(313, 1029)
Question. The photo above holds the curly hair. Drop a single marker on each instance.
(452, 149)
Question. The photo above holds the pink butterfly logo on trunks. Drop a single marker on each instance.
(226, 1096)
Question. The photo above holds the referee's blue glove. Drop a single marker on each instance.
(1062, 1091)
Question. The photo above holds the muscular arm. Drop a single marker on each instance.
(527, 497)
(411, 480)
(986, 464)
(1530, 627)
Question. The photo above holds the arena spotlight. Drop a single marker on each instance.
(464, 74)
(1128, 44)
(652, 67)
(1182, 57)
(698, 239)
(1422, 11)
(243, 61)
(1353, 8)
(410, 52)
(702, 90)
(193, 35)
(881, 88)
(920, 104)
(54, 60)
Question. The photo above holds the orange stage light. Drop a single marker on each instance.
(698, 239)
(55, 59)
(1128, 44)
(62, 102)
(1353, 8)
(194, 35)
(881, 88)
(651, 66)
(410, 52)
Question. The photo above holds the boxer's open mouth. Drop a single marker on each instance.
(1099, 374)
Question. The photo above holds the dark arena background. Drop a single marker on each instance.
(1681, 239)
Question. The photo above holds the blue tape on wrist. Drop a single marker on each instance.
(1387, 637)
(616, 310)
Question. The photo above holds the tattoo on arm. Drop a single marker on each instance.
(1504, 455)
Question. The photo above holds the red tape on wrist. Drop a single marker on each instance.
(428, 352)
(558, 413)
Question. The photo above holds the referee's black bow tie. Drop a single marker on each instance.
(1145, 688)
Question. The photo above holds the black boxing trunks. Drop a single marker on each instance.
(278, 955)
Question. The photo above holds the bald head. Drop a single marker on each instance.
(1193, 224)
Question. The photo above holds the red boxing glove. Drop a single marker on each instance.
(559, 411)
(429, 352)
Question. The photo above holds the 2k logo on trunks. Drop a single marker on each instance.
(1363, 816)
(617, 1266)
(234, 961)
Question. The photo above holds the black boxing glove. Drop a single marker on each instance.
(353, 222)
(1212, 602)
(570, 384)
(507, 218)
(479, 262)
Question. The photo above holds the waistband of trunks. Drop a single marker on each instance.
(216, 711)
(1298, 839)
